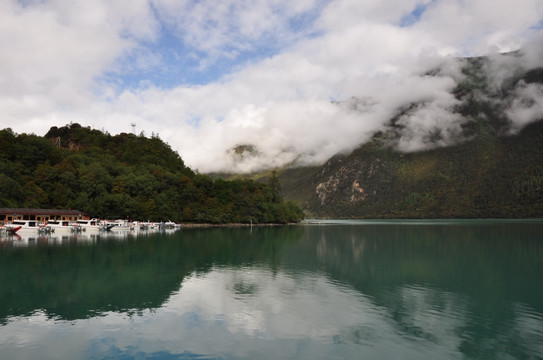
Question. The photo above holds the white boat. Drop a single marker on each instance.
(148, 225)
(63, 226)
(170, 225)
(141, 226)
(29, 227)
(119, 225)
(93, 225)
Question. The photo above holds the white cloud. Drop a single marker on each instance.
(69, 61)
(527, 106)
(53, 52)
(228, 28)
(475, 27)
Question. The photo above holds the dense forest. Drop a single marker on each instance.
(127, 176)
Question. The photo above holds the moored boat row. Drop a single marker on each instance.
(65, 226)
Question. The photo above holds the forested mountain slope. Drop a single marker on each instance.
(486, 177)
(126, 176)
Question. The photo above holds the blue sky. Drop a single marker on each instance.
(169, 60)
(414, 16)
(208, 76)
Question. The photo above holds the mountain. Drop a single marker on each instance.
(483, 178)
(485, 168)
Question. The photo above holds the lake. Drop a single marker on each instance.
(319, 290)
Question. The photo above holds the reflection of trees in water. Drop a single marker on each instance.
(77, 280)
(444, 283)
(81, 278)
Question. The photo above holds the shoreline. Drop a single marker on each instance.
(232, 225)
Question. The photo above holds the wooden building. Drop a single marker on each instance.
(7, 215)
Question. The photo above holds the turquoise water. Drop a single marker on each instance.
(320, 290)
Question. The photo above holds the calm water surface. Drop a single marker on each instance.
(335, 290)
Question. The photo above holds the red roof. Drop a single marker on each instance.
(22, 211)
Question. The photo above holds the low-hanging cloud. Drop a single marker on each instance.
(527, 105)
(334, 72)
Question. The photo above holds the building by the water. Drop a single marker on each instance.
(7, 215)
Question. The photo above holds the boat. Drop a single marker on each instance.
(118, 225)
(9, 230)
(170, 225)
(63, 226)
(148, 225)
(141, 226)
(94, 225)
(29, 227)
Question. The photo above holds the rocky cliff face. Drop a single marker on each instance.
(352, 180)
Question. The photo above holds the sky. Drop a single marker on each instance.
(297, 81)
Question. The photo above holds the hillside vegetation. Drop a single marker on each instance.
(485, 178)
(126, 176)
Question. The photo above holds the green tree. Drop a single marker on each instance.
(275, 186)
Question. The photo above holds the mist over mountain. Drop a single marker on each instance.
(472, 149)
(486, 162)
(438, 102)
